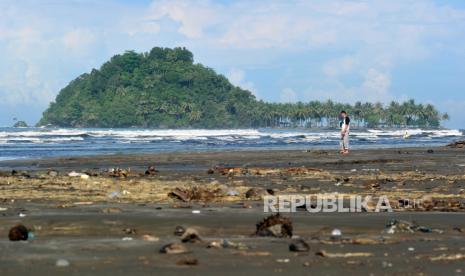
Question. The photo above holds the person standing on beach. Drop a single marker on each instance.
(345, 126)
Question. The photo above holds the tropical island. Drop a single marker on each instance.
(164, 88)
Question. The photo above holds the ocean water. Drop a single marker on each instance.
(18, 143)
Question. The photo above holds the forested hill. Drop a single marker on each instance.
(165, 89)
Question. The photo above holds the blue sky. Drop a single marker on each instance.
(282, 51)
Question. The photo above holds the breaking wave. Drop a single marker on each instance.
(44, 142)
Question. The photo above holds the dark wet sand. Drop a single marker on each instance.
(74, 219)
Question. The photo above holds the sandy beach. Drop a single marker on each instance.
(111, 215)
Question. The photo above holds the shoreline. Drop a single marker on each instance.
(114, 222)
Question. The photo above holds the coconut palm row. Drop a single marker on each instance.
(317, 114)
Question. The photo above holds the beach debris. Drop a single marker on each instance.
(20, 173)
(254, 253)
(404, 226)
(258, 192)
(52, 173)
(457, 144)
(430, 151)
(232, 171)
(195, 211)
(62, 263)
(411, 249)
(2, 209)
(451, 257)
(85, 176)
(336, 233)
(274, 226)
(118, 172)
(130, 231)
(18, 233)
(179, 230)
(323, 253)
(188, 261)
(385, 264)
(173, 248)
(114, 194)
(459, 229)
(127, 239)
(191, 235)
(282, 260)
(151, 170)
(195, 193)
(231, 192)
(227, 244)
(76, 174)
(150, 238)
(356, 240)
(299, 245)
(22, 215)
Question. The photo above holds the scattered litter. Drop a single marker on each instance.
(444, 257)
(323, 253)
(258, 193)
(195, 193)
(85, 176)
(179, 230)
(22, 215)
(256, 253)
(62, 263)
(282, 260)
(457, 145)
(299, 245)
(275, 226)
(115, 194)
(150, 238)
(385, 264)
(151, 170)
(227, 244)
(191, 235)
(336, 233)
(3, 209)
(408, 227)
(18, 233)
(173, 248)
(117, 172)
(130, 231)
(76, 174)
(232, 193)
(411, 249)
(195, 211)
(127, 239)
(52, 173)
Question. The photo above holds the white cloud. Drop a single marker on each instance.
(237, 77)
(78, 39)
(375, 86)
(339, 66)
(194, 16)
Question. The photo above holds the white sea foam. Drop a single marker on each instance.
(44, 135)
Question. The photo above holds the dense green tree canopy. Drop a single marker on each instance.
(166, 89)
